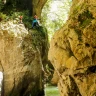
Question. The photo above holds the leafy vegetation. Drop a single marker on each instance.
(55, 14)
(51, 91)
(12, 10)
(2, 16)
(1, 5)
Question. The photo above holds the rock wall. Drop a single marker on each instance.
(73, 51)
(37, 6)
(20, 60)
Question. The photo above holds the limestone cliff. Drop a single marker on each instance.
(37, 6)
(21, 60)
(73, 51)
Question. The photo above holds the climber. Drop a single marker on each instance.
(35, 21)
(21, 17)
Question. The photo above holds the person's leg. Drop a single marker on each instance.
(33, 24)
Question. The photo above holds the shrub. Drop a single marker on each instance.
(2, 16)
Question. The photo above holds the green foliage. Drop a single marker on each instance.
(13, 9)
(2, 16)
(55, 14)
(51, 91)
(42, 31)
(85, 18)
(26, 18)
(1, 5)
(85, 23)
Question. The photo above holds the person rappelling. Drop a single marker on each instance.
(35, 21)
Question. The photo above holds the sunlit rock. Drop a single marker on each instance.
(73, 51)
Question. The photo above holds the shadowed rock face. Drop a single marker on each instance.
(73, 51)
(34, 6)
(20, 60)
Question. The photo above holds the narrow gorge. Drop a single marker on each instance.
(25, 51)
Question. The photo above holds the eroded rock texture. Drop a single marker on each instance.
(73, 51)
(21, 60)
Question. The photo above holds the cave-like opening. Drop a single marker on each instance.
(54, 14)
